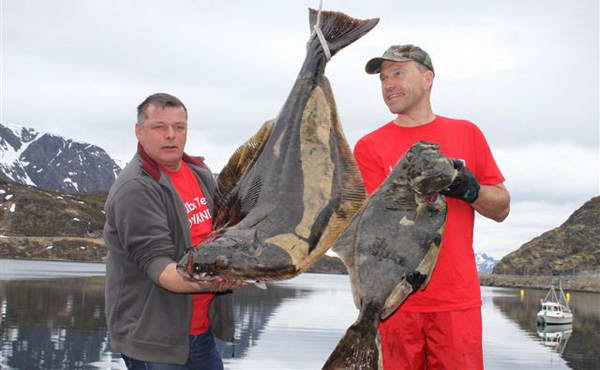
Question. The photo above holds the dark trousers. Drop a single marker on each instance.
(203, 356)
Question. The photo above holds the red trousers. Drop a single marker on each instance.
(432, 340)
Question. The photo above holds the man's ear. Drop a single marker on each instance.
(428, 76)
(138, 129)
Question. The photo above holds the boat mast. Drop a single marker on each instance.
(563, 299)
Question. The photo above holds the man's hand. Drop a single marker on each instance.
(171, 280)
(216, 285)
(464, 186)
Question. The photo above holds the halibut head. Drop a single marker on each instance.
(390, 249)
(288, 192)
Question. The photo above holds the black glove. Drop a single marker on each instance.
(464, 186)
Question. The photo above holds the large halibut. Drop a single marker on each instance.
(288, 192)
(390, 249)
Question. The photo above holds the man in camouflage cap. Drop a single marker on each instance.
(438, 326)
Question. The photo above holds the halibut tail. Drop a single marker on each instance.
(339, 29)
(359, 349)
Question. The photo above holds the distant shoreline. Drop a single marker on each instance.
(53, 248)
(328, 264)
(580, 283)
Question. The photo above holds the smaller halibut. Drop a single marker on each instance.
(391, 247)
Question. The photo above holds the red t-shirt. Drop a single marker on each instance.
(454, 284)
(200, 221)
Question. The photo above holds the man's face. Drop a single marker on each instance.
(404, 86)
(163, 135)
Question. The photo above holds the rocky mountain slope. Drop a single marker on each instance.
(572, 248)
(41, 224)
(53, 162)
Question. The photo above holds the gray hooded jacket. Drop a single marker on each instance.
(146, 229)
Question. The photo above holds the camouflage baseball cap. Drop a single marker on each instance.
(400, 53)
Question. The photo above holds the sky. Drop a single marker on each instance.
(525, 71)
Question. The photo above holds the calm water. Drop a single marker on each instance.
(52, 317)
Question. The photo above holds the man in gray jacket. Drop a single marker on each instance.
(159, 207)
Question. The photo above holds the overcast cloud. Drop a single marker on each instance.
(525, 71)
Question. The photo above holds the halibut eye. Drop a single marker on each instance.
(221, 261)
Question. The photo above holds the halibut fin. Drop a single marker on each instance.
(228, 205)
(252, 196)
(409, 283)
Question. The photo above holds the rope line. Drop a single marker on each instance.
(319, 33)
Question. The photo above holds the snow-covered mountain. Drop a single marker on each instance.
(53, 162)
(485, 263)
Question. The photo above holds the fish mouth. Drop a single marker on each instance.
(209, 271)
(203, 276)
(190, 268)
(431, 197)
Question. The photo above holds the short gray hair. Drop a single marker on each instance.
(159, 100)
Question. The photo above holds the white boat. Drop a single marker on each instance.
(555, 308)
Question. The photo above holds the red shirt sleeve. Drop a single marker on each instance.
(487, 171)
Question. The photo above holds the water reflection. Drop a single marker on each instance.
(577, 344)
(555, 336)
(59, 323)
(253, 308)
(301, 330)
(294, 324)
(52, 324)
